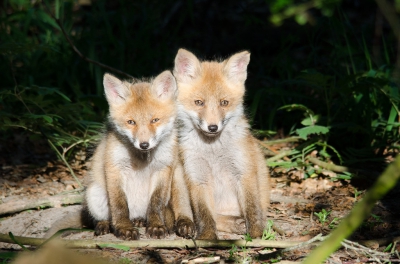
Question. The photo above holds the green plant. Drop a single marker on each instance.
(322, 216)
(244, 257)
(125, 261)
(388, 248)
(49, 114)
(357, 193)
(333, 223)
(232, 252)
(7, 257)
(269, 233)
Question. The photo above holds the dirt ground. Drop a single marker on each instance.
(294, 205)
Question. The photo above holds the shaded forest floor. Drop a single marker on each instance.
(295, 203)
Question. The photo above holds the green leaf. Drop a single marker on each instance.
(121, 247)
(305, 131)
(391, 120)
(387, 249)
(47, 118)
(310, 121)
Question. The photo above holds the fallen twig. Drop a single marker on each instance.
(280, 141)
(281, 155)
(379, 241)
(158, 243)
(203, 260)
(52, 201)
(338, 168)
(271, 151)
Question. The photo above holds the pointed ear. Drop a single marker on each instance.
(164, 86)
(236, 67)
(115, 90)
(187, 66)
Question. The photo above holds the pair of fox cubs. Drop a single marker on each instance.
(178, 154)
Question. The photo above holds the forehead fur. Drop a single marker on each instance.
(212, 83)
(142, 104)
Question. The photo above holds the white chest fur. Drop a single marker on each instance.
(139, 178)
(219, 164)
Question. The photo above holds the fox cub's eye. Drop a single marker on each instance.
(199, 103)
(155, 120)
(224, 102)
(131, 122)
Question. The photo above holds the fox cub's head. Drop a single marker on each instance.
(211, 92)
(144, 112)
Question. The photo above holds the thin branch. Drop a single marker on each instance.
(52, 201)
(274, 152)
(79, 53)
(283, 140)
(337, 168)
(157, 243)
(317, 238)
(328, 166)
(281, 155)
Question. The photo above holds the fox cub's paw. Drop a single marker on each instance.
(185, 227)
(102, 228)
(156, 231)
(256, 231)
(139, 222)
(207, 235)
(126, 231)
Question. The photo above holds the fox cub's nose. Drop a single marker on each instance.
(212, 128)
(144, 145)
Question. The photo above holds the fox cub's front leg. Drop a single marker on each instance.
(157, 214)
(121, 225)
(201, 197)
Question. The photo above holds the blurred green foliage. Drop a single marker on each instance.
(333, 64)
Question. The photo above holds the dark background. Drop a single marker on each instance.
(339, 64)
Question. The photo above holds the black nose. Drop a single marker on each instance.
(144, 145)
(213, 128)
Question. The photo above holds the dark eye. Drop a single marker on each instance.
(131, 122)
(199, 103)
(224, 102)
(155, 120)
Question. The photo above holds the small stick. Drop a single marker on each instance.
(52, 201)
(157, 243)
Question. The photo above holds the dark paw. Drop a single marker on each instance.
(185, 227)
(256, 231)
(102, 228)
(139, 222)
(207, 235)
(126, 232)
(156, 231)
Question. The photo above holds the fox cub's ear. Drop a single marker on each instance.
(115, 90)
(236, 66)
(164, 86)
(187, 66)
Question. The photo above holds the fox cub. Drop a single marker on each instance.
(132, 168)
(224, 167)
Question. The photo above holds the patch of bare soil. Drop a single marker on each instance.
(294, 208)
